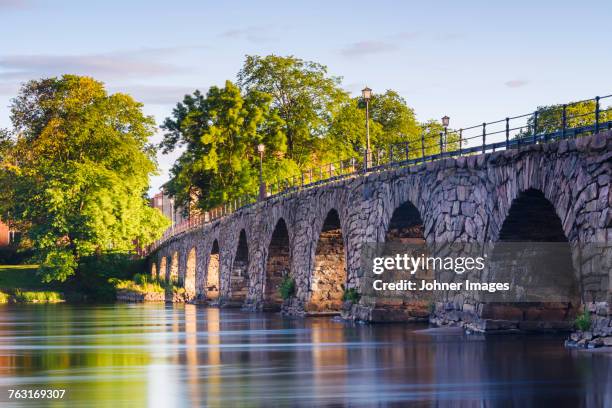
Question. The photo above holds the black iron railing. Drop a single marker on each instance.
(565, 121)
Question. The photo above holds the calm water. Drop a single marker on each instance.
(169, 356)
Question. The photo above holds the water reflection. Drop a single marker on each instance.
(157, 355)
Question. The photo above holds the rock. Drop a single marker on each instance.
(595, 343)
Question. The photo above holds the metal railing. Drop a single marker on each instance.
(544, 125)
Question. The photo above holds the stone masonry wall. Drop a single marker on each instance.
(465, 199)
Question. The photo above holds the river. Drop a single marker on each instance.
(183, 355)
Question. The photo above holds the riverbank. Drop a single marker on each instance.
(20, 284)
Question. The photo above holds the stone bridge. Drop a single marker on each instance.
(557, 191)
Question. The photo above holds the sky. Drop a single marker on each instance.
(474, 61)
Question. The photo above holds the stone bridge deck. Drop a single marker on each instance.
(559, 191)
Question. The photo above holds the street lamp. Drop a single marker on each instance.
(445, 121)
(366, 93)
(172, 212)
(262, 188)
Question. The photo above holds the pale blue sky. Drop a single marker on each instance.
(471, 60)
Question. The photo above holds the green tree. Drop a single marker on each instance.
(347, 133)
(391, 122)
(303, 95)
(220, 132)
(577, 114)
(77, 171)
(396, 118)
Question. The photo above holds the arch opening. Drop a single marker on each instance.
(190, 273)
(239, 279)
(533, 254)
(212, 275)
(406, 225)
(161, 273)
(329, 276)
(277, 265)
(405, 234)
(174, 268)
(153, 270)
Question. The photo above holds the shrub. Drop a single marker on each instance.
(4, 298)
(351, 295)
(95, 272)
(583, 321)
(286, 288)
(140, 279)
(57, 265)
(146, 287)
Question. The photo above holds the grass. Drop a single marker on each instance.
(21, 284)
(20, 277)
(142, 284)
(37, 297)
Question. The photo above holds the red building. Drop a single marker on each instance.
(5, 235)
(165, 204)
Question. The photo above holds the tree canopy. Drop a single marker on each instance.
(76, 171)
(577, 114)
(296, 109)
(303, 95)
(220, 132)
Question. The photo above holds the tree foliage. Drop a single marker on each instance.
(76, 172)
(296, 109)
(577, 114)
(303, 95)
(391, 122)
(220, 132)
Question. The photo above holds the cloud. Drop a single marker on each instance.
(157, 94)
(256, 34)
(113, 65)
(363, 48)
(516, 83)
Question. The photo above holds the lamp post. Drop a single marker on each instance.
(262, 188)
(366, 93)
(445, 121)
(172, 218)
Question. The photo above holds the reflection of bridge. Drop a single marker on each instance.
(539, 190)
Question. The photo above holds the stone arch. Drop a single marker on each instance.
(212, 273)
(153, 270)
(532, 218)
(161, 272)
(190, 273)
(277, 265)
(406, 225)
(404, 233)
(239, 278)
(544, 284)
(173, 273)
(328, 276)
